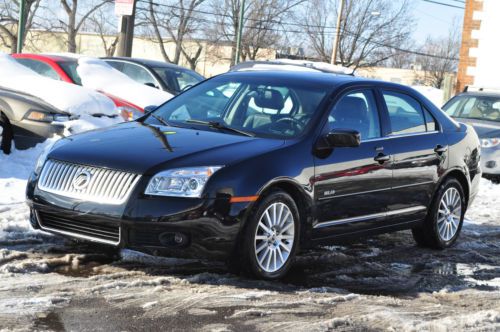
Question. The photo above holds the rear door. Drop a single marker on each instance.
(352, 185)
(419, 152)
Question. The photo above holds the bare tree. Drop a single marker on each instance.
(100, 23)
(445, 52)
(76, 17)
(262, 24)
(370, 30)
(173, 22)
(9, 14)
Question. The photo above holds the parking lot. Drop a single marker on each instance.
(384, 283)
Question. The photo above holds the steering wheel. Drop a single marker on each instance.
(295, 124)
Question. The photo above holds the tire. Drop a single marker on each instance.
(443, 223)
(7, 134)
(268, 248)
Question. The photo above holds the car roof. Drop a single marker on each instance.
(145, 62)
(53, 57)
(321, 78)
(480, 94)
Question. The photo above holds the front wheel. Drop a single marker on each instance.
(444, 221)
(271, 237)
(7, 135)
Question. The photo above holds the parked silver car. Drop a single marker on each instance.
(27, 120)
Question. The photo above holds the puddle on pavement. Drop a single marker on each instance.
(86, 266)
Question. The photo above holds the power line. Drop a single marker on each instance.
(407, 51)
(444, 4)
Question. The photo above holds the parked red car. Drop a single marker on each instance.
(63, 68)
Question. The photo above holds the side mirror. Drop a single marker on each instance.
(343, 138)
(150, 108)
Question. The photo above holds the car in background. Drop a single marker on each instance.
(63, 68)
(480, 107)
(27, 120)
(161, 75)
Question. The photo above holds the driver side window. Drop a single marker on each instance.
(356, 110)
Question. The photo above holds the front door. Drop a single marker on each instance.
(352, 185)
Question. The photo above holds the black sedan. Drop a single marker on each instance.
(162, 75)
(252, 166)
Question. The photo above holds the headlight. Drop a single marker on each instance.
(41, 116)
(181, 182)
(129, 113)
(490, 142)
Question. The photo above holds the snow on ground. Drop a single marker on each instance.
(98, 75)
(380, 283)
(71, 98)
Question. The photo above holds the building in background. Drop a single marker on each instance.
(479, 64)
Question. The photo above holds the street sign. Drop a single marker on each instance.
(124, 7)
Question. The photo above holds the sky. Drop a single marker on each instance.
(434, 19)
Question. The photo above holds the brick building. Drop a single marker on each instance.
(480, 51)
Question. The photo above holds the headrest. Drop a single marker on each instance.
(269, 98)
(351, 108)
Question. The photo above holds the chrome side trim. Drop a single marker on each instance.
(76, 235)
(401, 135)
(369, 216)
(376, 190)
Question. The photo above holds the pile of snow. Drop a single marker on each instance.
(297, 65)
(71, 98)
(433, 94)
(98, 75)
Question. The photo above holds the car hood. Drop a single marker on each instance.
(484, 128)
(146, 149)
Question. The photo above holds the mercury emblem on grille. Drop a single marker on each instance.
(82, 180)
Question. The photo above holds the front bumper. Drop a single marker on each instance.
(29, 133)
(490, 161)
(155, 225)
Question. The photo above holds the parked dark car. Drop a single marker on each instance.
(481, 109)
(162, 75)
(253, 166)
(27, 120)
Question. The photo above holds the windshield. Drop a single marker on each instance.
(69, 68)
(271, 109)
(474, 107)
(178, 79)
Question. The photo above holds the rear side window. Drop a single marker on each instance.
(405, 113)
(40, 67)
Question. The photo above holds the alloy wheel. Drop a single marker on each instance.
(449, 214)
(274, 237)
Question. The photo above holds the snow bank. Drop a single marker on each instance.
(71, 98)
(98, 75)
(433, 94)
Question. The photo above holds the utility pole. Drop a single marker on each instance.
(239, 33)
(126, 35)
(336, 42)
(21, 25)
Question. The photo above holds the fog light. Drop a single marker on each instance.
(177, 239)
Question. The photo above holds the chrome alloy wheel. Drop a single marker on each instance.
(449, 214)
(274, 237)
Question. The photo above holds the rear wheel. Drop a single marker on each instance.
(271, 237)
(7, 134)
(444, 221)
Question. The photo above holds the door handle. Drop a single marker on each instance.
(382, 158)
(440, 149)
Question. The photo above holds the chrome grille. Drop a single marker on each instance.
(87, 183)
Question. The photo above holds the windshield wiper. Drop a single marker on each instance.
(161, 120)
(220, 126)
